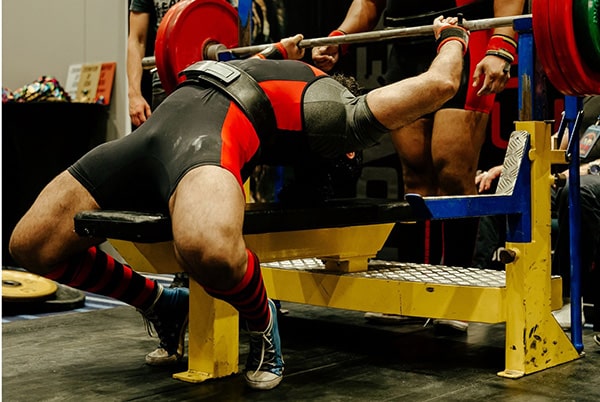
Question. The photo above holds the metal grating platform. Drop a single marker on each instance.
(409, 272)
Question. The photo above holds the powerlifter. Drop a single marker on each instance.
(190, 159)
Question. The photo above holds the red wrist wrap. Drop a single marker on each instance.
(281, 49)
(343, 47)
(274, 52)
(502, 46)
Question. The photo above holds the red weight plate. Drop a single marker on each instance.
(188, 30)
(585, 80)
(558, 31)
(161, 46)
(557, 24)
(171, 74)
(545, 51)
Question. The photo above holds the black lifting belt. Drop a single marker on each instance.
(240, 87)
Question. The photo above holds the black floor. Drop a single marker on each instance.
(331, 355)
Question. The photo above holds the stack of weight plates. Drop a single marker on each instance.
(27, 293)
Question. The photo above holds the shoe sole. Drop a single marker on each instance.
(161, 360)
(597, 339)
(263, 385)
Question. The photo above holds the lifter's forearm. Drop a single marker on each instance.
(403, 102)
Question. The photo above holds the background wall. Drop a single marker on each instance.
(41, 37)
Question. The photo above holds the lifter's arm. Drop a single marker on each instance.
(403, 102)
(287, 48)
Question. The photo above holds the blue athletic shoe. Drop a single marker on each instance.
(264, 367)
(169, 317)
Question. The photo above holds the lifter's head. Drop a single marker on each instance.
(349, 82)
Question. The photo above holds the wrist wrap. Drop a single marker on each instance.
(453, 32)
(344, 48)
(274, 52)
(502, 46)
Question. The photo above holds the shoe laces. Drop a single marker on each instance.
(150, 317)
(267, 347)
(155, 328)
(148, 327)
(160, 327)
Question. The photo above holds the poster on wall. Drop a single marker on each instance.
(91, 82)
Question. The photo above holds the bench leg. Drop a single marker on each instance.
(213, 350)
(534, 340)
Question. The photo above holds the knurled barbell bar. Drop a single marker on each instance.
(212, 50)
(196, 30)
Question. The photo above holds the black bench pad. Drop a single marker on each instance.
(144, 227)
(150, 227)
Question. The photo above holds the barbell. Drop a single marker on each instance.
(196, 30)
(213, 50)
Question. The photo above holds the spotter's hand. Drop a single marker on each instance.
(325, 57)
(495, 72)
(484, 180)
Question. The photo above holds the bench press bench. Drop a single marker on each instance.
(330, 223)
(319, 255)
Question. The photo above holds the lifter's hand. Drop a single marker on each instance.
(325, 57)
(294, 52)
(440, 22)
(447, 30)
(139, 110)
(495, 72)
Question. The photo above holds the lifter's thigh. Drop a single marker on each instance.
(207, 213)
(45, 235)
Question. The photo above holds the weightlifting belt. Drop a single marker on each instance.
(240, 87)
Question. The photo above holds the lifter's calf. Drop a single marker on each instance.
(24, 255)
(41, 257)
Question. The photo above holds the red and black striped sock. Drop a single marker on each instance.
(249, 296)
(432, 242)
(97, 272)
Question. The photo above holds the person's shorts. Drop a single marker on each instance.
(140, 171)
